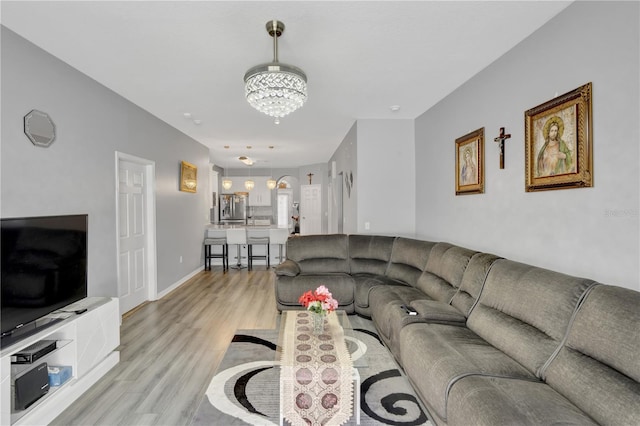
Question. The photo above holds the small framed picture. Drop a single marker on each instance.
(558, 142)
(188, 177)
(470, 163)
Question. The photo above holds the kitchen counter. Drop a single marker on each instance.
(240, 251)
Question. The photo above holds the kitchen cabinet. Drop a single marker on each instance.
(260, 195)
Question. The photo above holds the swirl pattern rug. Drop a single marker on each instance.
(245, 390)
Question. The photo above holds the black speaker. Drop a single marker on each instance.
(31, 386)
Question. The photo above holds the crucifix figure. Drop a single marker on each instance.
(500, 139)
(310, 175)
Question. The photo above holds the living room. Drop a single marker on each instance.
(591, 232)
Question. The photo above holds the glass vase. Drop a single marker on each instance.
(318, 322)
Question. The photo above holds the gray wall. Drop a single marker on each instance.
(76, 174)
(386, 177)
(592, 232)
(346, 158)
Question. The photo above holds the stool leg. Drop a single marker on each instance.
(225, 257)
(268, 256)
(249, 257)
(239, 264)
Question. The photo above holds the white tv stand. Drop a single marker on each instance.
(86, 342)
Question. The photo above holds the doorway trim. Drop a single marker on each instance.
(150, 232)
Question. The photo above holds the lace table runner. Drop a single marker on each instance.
(316, 385)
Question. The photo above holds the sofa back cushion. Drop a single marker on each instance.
(472, 282)
(370, 253)
(408, 259)
(524, 311)
(598, 368)
(444, 270)
(320, 253)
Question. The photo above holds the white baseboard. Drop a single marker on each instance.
(177, 284)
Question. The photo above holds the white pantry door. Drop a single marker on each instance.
(133, 279)
(310, 209)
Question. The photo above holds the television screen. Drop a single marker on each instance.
(44, 268)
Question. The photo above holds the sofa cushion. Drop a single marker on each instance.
(370, 254)
(435, 356)
(449, 262)
(318, 254)
(524, 311)
(387, 313)
(598, 367)
(472, 281)
(478, 400)
(364, 284)
(444, 271)
(408, 259)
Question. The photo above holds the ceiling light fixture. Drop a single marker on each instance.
(271, 182)
(246, 160)
(249, 184)
(274, 88)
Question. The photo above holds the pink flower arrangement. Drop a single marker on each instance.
(319, 301)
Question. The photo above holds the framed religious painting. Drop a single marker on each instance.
(188, 177)
(558, 142)
(470, 163)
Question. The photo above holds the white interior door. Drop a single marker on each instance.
(135, 256)
(310, 209)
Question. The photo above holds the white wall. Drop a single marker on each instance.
(76, 174)
(590, 232)
(386, 177)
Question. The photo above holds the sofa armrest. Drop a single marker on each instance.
(437, 312)
(288, 268)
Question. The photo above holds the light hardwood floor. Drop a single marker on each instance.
(170, 349)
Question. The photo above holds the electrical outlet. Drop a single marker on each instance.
(367, 225)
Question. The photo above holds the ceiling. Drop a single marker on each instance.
(361, 58)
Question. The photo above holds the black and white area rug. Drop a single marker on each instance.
(245, 390)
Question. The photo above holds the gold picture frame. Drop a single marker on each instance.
(188, 177)
(558, 142)
(470, 163)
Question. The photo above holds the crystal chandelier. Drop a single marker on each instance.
(274, 88)
(249, 184)
(271, 183)
(227, 183)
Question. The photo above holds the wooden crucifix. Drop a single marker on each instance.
(500, 139)
(310, 175)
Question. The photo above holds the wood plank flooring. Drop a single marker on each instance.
(170, 349)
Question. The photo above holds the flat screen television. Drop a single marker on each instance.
(43, 268)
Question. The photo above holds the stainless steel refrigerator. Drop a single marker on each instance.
(233, 208)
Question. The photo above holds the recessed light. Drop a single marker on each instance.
(226, 147)
(187, 115)
(394, 108)
(197, 122)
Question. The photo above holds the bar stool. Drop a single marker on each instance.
(258, 237)
(237, 236)
(279, 236)
(216, 237)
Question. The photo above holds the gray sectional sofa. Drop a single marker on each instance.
(494, 342)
